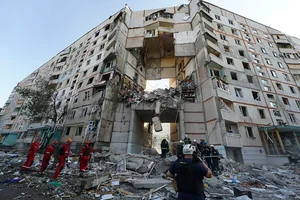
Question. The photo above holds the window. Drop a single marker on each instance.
(107, 27)
(268, 61)
(90, 80)
(261, 74)
(270, 96)
(250, 79)
(95, 42)
(234, 76)
(249, 132)
(223, 37)
(264, 81)
(229, 61)
(230, 21)
(104, 37)
(67, 130)
(238, 92)
(273, 104)
(242, 53)
(88, 62)
(91, 52)
(258, 40)
(273, 73)
(78, 130)
(234, 31)
(79, 85)
(270, 44)
(261, 113)
(292, 89)
(266, 36)
(286, 77)
(298, 103)
(285, 101)
(86, 96)
(226, 48)
(280, 65)
(263, 50)
(292, 118)
(279, 86)
(267, 88)
(277, 113)
(99, 57)
(95, 68)
(220, 27)
(254, 31)
(254, 56)
(275, 54)
(214, 72)
(217, 17)
(256, 96)
(243, 110)
(258, 67)
(84, 73)
(246, 65)
(256, 61)
(97, 33)
(102, 46)
(237, 41)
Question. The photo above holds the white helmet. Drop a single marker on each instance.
(188, 149)
(181, 141)
(211, 145)
(194, 140)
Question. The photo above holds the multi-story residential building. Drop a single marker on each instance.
(245, 98)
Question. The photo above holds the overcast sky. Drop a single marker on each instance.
(33, 31)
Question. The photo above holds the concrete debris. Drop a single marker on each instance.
(143, 176)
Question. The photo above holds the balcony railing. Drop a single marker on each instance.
(233, 140)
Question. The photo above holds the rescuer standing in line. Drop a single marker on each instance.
(31, 154)
(63, 153)
(85, 155)
(47, 156)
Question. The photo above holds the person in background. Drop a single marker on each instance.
(195, 144)
(47, 156)
(31, 154)
(85, 155)
(187, 140)
(215, 158)
(164, 148)
(179, 149)
(63, 153)
(206, 155)
(201, 145)
(189, 175)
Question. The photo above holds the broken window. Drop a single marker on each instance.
(220, 27)
(242, 53)
(270, 96)
(104, 37)
(243, 110)
(95, 68)
(79, 85)
(286, 77)
(275, 54)
(277, 113)
(273, 104)
(67, 130)
(217, 17)
(273, 73)
(285, 101)
(226, 48)
(267, 88)
(223, 37)
(256, 96)
(98, 57)
(264, 81)
(95, 42)
(250, 79)
(298, 103)
(230, 21)
(254, 31)
(78, 130)
(293, 118)
(84, 73)
(90, 80)
(279, 86)
(234, 76)
(229, 61)
(249, 132)
(102, 46)
(97, 33)
(246, 65)
(238, 92)
(237, 41)
(88, 62)
(214, 72)
(54, 77)
(270, 44)
(106, 27)
(292, 89)
(261, 113)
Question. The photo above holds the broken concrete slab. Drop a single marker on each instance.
(93, 182)
(150, 183)
(161, 167)
(134, 163)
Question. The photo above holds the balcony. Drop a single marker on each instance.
(281, 41)
(287, 50)
(207, 21)
(233, 140)
(212, 46)
(215, 62)
(229, 115)
(292, 61)
(209, 32)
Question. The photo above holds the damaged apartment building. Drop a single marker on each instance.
(231, 81)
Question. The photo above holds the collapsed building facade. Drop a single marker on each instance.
(233, 82)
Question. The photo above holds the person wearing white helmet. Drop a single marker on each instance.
(189, 174)
(179, 149)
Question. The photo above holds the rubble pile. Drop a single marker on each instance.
(140, 176)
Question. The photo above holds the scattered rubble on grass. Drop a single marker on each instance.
(139, 176)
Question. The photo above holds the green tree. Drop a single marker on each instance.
(41, 103)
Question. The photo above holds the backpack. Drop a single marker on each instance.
(87, 151)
